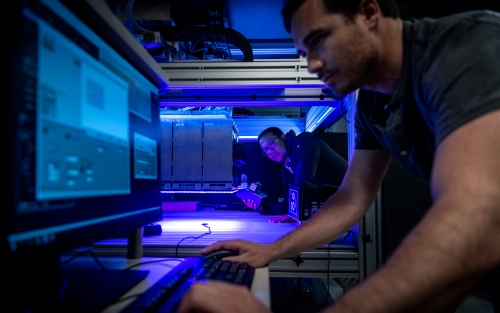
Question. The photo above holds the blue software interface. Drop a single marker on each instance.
(82, 125)
(87, 130)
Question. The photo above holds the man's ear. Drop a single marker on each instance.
(283, 137)
(370, 11)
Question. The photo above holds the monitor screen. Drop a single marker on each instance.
(83, 135)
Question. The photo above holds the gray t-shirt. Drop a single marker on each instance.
(450, 76)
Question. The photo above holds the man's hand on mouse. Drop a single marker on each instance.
(254, 254)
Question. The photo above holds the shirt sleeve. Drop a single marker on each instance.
(461, 75)
(363, 139)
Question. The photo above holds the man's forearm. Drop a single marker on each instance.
(434, 267)
(457, 241)
(343, 209)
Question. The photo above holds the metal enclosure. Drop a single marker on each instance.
(196, 154)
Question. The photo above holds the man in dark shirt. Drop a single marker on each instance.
(306, 159)
(429, 98)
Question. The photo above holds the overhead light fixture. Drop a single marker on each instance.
(312, 127)
(198, 191)
(247, 138)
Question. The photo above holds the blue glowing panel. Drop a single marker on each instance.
(83, 136)
(87, 101)
(145, 162)
(244, 14)
(198, 191)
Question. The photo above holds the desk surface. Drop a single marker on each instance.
(260, 284)
(337, 260)
(224, 225)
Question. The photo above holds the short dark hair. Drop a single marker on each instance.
(275, 130)
(346, 7)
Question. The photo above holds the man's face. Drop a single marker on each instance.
(274, 147)
(339, 50)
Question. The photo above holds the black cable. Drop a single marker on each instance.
(81, 253)
(345, 237)
(136, 28)
(74, 257)
(343, 108)
(202, 235)
(200, 49)
(155, 261)
(127, 298)
(328, 265)
(62, 290)
(64, 285)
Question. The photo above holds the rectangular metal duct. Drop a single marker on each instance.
(239, 74)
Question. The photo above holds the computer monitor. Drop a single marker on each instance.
(83, 138)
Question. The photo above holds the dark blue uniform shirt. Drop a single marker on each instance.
(312, 161)
(450, 75)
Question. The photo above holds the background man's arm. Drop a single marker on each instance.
(456, 243)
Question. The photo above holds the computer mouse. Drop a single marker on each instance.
(222, 253)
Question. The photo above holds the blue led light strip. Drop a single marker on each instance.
(321, 119)
(247, 138)
(198, 191)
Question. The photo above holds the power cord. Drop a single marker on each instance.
(328, 275)
(343, 110)
(148, 262)
(202, 235)
(328, 265)
(345, 237)
(82, 253)
(64, 283)
(127, 298)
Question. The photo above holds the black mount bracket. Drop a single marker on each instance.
(366, 238)
(298, 260)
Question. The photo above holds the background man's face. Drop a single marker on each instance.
(278, 153)
(339, 50)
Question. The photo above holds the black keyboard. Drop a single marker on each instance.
(167, 293)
